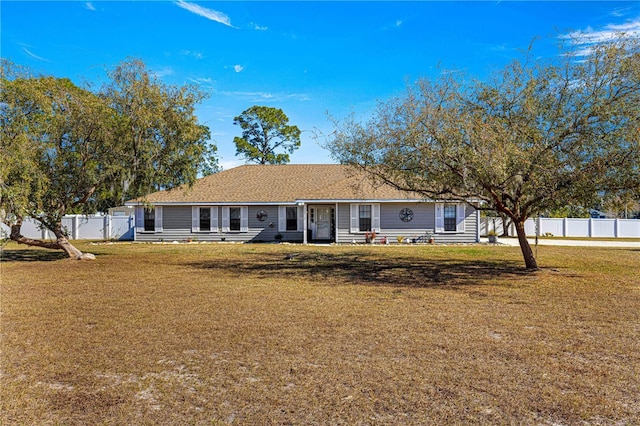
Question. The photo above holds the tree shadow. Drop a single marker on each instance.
(357, 268)
(32, 255)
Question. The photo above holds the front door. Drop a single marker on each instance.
(323, 223)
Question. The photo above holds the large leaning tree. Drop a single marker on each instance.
(66, 150)
(534, 137)
(265, 131)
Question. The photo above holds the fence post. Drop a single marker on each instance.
(565, 227)
(590, 231)
(616, 225)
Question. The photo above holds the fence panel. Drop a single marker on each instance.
(570, 227)
(629, 228)
(79, 227)
(605, 228)
(552, 226)
(122, 228)
(578, 227)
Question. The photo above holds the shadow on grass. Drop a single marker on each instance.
(31, 255)
(362, 269)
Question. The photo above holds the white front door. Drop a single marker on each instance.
(323, 223)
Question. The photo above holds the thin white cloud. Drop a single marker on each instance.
(33, 55)
(163, 72)
(210, 14)
(267, 96)
(609, 32)
(192, 53)
(238, 68)
(258, 27)
(88, 5)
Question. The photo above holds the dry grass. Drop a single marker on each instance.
(239, 334)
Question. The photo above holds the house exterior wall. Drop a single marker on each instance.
(392, 227)
(177, 225)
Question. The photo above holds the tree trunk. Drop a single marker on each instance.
(527, 252)
(61, 243)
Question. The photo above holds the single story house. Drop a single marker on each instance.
(299, 203)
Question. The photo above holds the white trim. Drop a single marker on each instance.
(195, 219)
(354, 226)
(225, 219)
(461, 215)
(140, 217)
(375, 217)
(282, 218)
(439, 213)
(300, 213)
(244, 219)
(214, 219)
(157, 217)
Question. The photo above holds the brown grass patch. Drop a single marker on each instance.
(248, 334)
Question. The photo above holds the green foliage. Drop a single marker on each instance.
(65, 149)
(264, 131)
(534, 138)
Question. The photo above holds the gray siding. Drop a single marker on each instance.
(176, 223)
(176, 226)
(392, 227)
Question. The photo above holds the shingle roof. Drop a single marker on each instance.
(280, 184)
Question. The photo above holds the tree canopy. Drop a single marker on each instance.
(68, 150)
(535, 137)
(264, 132)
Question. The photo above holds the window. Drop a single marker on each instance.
(364, 217)
(205, 219)
(234, 218)
(449, 217)
(149, 219)
(292, 218)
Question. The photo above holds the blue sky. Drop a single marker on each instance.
(308, 58)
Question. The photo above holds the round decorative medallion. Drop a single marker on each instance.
(406, 215)
(261, 215)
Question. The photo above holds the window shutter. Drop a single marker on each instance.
(460, 217)
(300, 218)
(355, 227)
(282, 218)
(244, 219)
(158, 218)
(195, 219)
(214, 219)
(439, 217)
(225, 219)
(140, 218)
(375, 217)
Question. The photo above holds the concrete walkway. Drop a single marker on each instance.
(510, 241)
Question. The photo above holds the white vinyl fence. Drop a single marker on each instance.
(569, 227)
(80, 227)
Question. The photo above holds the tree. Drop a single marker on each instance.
(533, 138)
(67, 150)
(264, 131)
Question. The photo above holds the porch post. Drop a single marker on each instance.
(306, 223)
(336, 225)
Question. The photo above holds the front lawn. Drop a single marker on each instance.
(289, 334)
